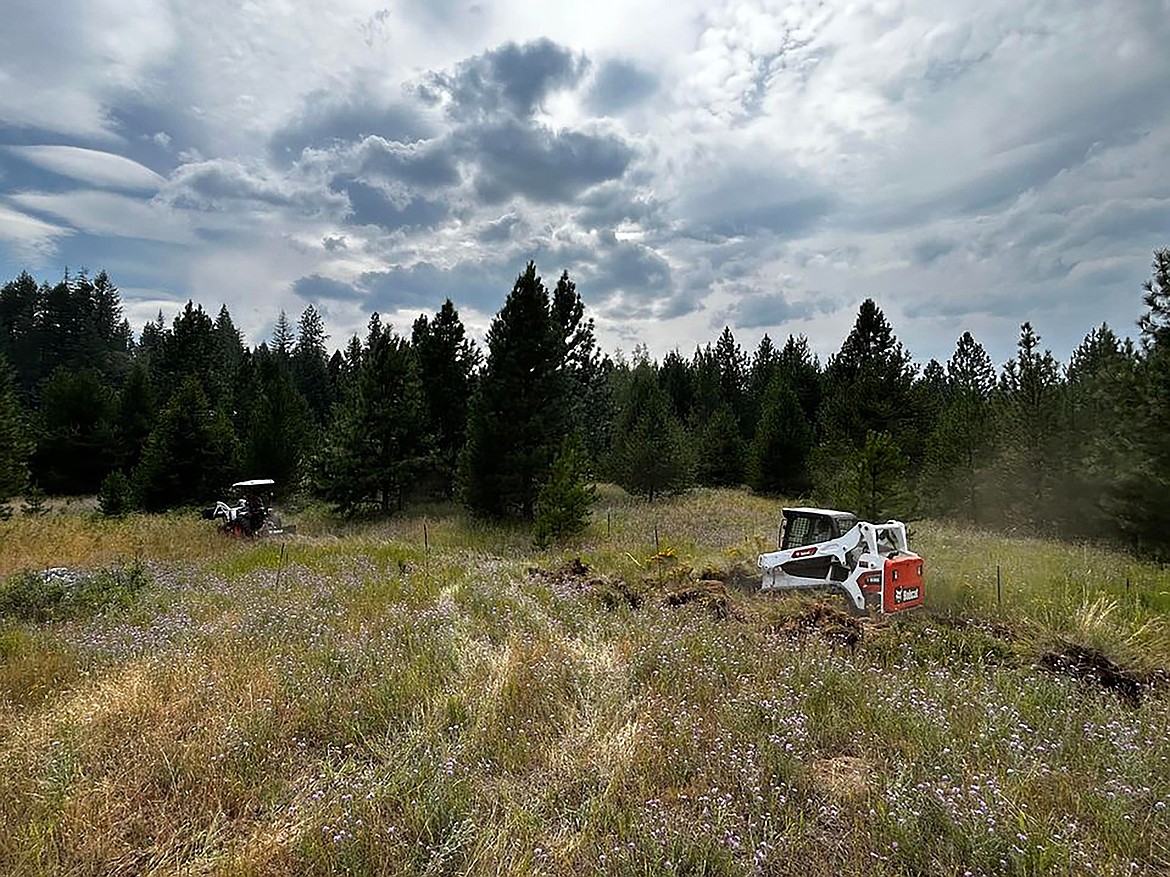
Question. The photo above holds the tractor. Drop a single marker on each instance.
(871, 565)
(252, 515)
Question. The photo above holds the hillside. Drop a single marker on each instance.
(367, 699)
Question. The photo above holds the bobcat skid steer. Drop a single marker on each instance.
(869, 564)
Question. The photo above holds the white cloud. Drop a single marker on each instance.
(102, 169)
(965, 165)
(111, 215)
(30, 239)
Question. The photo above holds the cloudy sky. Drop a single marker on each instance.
(692, 164)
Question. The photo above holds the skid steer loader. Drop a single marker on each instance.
(869, 564)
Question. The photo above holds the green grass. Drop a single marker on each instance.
(363, 703)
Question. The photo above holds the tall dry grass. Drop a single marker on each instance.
(368, 706)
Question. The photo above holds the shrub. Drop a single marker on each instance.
(56, 594)
(115, 497)
(562, 506)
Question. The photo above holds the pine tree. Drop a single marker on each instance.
(563, 504)
(310, 361)
(802, 372)
(1097, 444)
(651, 453)
(778, 455)
(881, 482)
(190, 455)
(137, 411)
(282, 336)
(720, 450)
(869, 386)
(446, 361)
(280, 430)
(1155, 322)
(969, 369)
(20, 334)
(1029, 406)
(76, 433)
(14, 441)
(377, 445)
(521, 409)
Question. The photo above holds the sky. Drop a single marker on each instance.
(766, 166)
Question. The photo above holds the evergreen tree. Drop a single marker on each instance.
(733, 385)
(20, 334)
(228, 345)
(778, 455)
(1030, 410)
(869, 386)
(280, 429)
(563, 504)
(190, 348)
(521, 409)
(136, 416)
(1097, 444)
(116, 495)
(969, 369)
(282, 336)
(764, 368)
(377, 445)
(14, 441)
(962, 438)
(720, 450)
(881, 481)
(802, 372)
(190, 455)
(446, 361)
(651, 453)
(76, 433)
(310, 361)
(676, 380)
(1155, 322)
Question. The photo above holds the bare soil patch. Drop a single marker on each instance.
(1094, 667)
(825, 620)
(577, 578)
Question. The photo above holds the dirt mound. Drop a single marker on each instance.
(825, 620)
(739, 576)
(708, 593)
(576, 578)
(1091, 665)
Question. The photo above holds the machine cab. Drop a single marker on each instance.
(808, 526)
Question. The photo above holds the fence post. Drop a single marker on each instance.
(998, 587)
(426, 548)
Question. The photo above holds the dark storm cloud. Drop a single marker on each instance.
(738, 201)
(513, 80)
(425, 164)
(614, 202)
(317, 288)
(927, 251)
(326, 119)
(542, 165)
(370, 205)
(755, 310)
(620, 85)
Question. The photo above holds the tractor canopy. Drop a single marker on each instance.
(253, 484)
(808, 526)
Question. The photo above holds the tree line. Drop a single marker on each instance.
(521, 428)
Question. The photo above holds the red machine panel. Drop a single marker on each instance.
(902, 584)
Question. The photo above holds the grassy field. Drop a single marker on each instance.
(352, 702)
